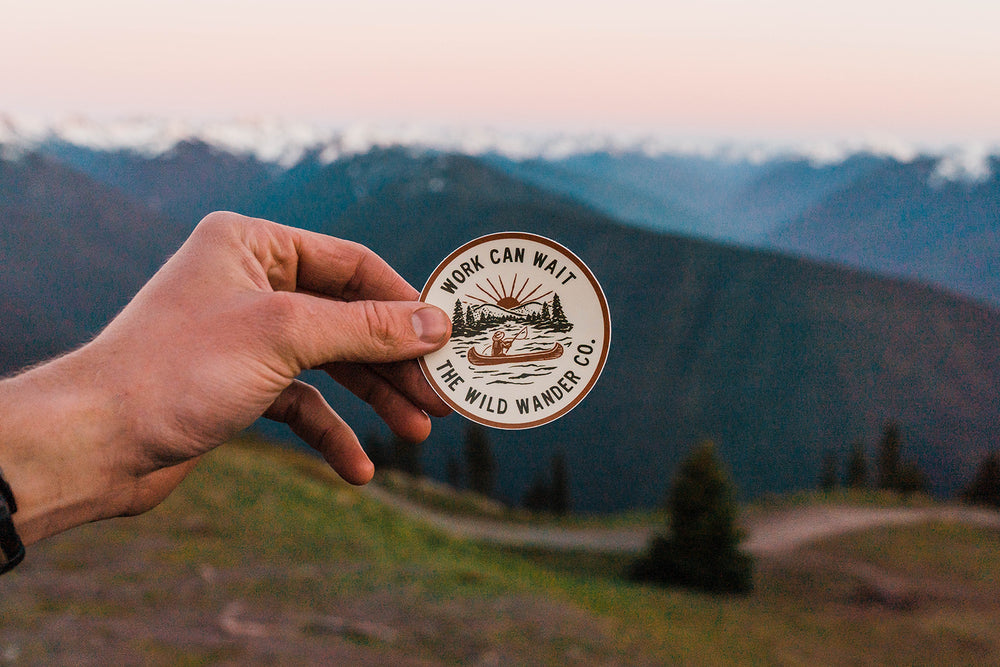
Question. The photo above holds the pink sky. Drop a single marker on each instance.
(919, 70)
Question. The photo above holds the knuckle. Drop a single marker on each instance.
(216, 221)
(381, 326)
(355, 283)
(279, 319)
(282, 310)
(375, 394)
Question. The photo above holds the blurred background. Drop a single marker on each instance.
(794, 210)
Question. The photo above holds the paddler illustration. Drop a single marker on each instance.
(501, 345)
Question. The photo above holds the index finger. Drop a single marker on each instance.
(347, 270)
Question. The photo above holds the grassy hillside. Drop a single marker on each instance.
(263, 557)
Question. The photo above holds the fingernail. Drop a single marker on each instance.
(430, 324)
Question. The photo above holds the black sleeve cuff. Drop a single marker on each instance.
(11, 547)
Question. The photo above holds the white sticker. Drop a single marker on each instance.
(530, 330)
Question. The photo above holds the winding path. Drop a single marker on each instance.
(770, 535)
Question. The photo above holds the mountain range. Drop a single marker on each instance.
(500, 314)
(895, 217)
(778, 358)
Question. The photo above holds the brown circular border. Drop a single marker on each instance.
(605, 311)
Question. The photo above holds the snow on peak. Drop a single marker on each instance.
(971, 163)
(285, 143)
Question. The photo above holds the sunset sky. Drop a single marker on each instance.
(759, 68)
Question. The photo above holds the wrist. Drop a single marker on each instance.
(57, 432)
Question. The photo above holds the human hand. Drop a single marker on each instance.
(214, 341)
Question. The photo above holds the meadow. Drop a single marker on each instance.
(263, 556)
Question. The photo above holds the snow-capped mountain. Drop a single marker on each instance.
(286, 142)
(926, 213)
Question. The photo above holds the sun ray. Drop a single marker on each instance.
(495, 290)
(485, 291)
(530, 294)
(537, 298)
(518, 297)
(506, 298)
(500, 294)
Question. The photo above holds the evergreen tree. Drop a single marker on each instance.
(458, 317)
(453, 472)
(470, 318)
(985, 486)
(378, 452)
(560, 500)
(480, 465)
(828, 475)
(702, 547)
(550, 493)
(546, 316)
(406, 456)
(889, 453)
(911, 479)
(538, 496)
(857, 467)
(559, 321)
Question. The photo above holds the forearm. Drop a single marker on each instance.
(57, 428)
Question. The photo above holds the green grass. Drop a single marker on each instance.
(839, 496)
(277, 533)
(444, 498)
(939, 551)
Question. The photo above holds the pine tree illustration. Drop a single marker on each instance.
(559, 321)
(458, 318)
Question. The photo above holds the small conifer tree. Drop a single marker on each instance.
(985, 486)
(481, 467)
(453, 471)
(911, 479)
(702, 548)
(538, 495)
(406, 456)
(378, 452)
(857, 467)
(889, 454)
(828, 475)
(560, 502)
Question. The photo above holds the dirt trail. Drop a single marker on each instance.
(794, 527)
(770, 535)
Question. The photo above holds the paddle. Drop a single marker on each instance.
(524, 331)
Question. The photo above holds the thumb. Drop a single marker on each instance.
(364, 331)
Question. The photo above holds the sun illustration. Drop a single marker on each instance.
(505, 298)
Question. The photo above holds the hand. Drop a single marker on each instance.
(211, 343)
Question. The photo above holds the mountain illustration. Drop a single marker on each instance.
(518, 314)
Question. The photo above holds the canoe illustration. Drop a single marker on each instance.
(477, 359)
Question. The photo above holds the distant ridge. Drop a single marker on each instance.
(778, 359)
(775, 196)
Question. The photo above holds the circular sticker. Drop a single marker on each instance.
(530, 330)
